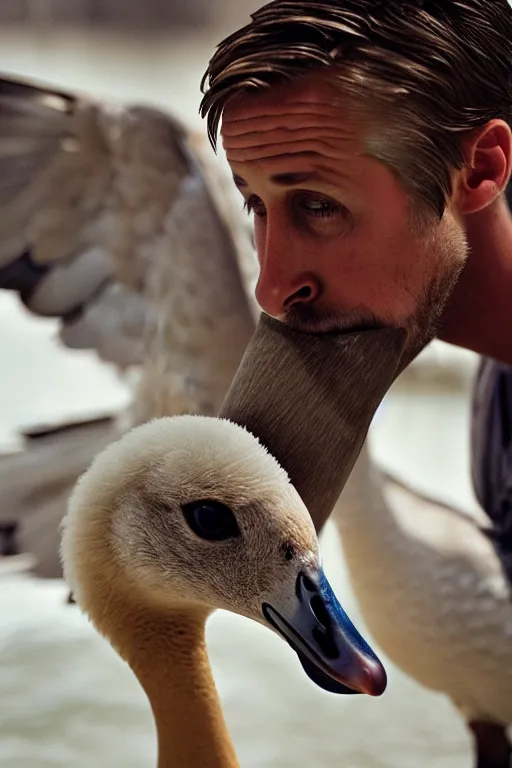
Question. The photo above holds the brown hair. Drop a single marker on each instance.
(434, 69)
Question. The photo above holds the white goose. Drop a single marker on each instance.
(184, 515)
(436, 597)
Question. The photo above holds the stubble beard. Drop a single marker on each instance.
(447, 249)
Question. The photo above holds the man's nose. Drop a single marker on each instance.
(284, 281)
(276, 297)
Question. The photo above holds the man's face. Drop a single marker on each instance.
(335, 233)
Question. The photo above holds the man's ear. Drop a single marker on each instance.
(488, 152)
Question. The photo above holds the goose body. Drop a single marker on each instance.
(433, 591)
(184, 515)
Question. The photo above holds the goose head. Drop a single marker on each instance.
(189, 514)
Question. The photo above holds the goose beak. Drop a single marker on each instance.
(331, 650)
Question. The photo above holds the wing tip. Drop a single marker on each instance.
(19, 86)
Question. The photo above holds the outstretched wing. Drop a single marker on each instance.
(57, 175)
(85, 195)
(117, 222)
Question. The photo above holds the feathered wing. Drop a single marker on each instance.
(35, 484)
(56, 199)
(87, 194)
(117, 222)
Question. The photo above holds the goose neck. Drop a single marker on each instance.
(173, 668)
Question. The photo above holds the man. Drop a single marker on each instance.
(371, 140)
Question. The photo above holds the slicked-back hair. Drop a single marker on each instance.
(427, 71)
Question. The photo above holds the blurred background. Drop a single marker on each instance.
(117, 14)
(65, 697)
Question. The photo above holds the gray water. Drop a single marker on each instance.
(65, 697)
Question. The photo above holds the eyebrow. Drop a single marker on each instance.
(282, 179)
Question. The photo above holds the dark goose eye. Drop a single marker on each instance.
(211, 520)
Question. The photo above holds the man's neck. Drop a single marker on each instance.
(479, 312)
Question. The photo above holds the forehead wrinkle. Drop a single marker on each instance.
(284, 135)
(292, 97)
(265, 138)
(233, 124)
(311, 148)
(291, 123)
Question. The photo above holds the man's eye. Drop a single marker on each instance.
(315, 206)
(254, 205)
